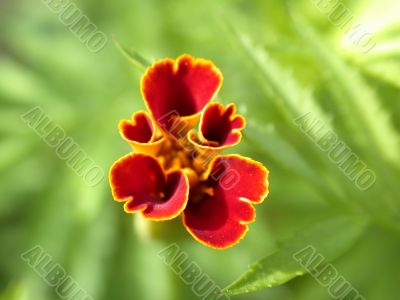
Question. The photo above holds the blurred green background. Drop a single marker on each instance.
(279, 59)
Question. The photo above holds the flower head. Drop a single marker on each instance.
(178, 170)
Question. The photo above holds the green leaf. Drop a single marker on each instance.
(134, 57)
(279, 149)
(368, 121)
(387, 70)
(330, 238)
(290, 97)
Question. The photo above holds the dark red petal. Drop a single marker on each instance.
(241, 177)
(140, 133)
(140, 129)
(174, 201)
(179, 88)
(140, 180)
(220, 220)
(219, 127)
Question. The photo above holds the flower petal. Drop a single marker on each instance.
(219, 219)
(139, 180)
(175, 199)
(140, 133)
(219, 128)
(179, 88)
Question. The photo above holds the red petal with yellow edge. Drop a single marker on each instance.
(219, 219)
(219, 127)
(140, 129)
(140, 133)
(139, 180)
(179, 88)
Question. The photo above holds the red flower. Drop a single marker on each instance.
(175, 170)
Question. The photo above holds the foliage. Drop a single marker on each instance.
(280, 59)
